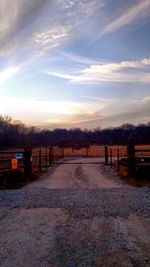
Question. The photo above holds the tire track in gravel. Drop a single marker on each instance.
(75, 216)
(97, 242)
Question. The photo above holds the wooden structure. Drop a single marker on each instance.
(29, 160)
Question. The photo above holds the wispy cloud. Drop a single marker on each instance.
(51, 37)
(18, 20)
(79, 59)
(59, 75)
(125, 71)
(81, 9)
(73, 121)
(137, 11)
(51, 113)
(43, 21)
(46, 40)
(97, 99)
(131, 112)
(7, 73)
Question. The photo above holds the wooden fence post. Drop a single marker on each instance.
(118, 160)
(106, 155)
(63, 152)
(111, 157)
(131, 158)
(40, 160)
(46, 158)
(53, 155)
(50, 156)
(87, 151)
(28, 162)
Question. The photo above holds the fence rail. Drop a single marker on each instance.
(29, 160)
(132, 157)
(37, 159)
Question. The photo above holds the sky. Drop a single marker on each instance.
(75, 63)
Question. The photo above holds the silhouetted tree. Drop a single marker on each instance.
(15, 134)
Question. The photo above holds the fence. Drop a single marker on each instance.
(132, 158)
(6, 159)
(37, 159)
(29, 160)
(91, 151)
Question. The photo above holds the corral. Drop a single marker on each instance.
(128, 160)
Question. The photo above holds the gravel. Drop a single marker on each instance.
(88, 202)
(75, 216)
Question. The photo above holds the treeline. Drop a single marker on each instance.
(16, 134)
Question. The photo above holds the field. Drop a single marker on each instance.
(99, 151)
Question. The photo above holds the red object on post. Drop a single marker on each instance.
(14, 164)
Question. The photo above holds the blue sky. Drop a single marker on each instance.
(69, 63)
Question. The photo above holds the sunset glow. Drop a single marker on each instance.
(75, 63)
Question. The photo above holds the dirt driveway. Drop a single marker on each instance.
(75, 215)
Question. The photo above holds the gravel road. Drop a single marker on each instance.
(77, 214)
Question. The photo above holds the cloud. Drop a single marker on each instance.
(47, 35)
(50, 38)
(59, 75)
(125, 71)
(7, 73)
(32, 30)
(31, 27)
(137, 112)
(17, 18)
(79, 59)
(96, 98)
(37, 26)
(51, 113)
(118, 113)
(73, 120)
(137, 11)
(81, 9)
(43, 21)
(95, 112)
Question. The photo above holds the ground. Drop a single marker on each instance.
(75, 215)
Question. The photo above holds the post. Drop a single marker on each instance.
(54, 154)
(63, 152)
(131, 158)
(111, 157)
(50, 156)
(118, 160)
(46, 158)
(40, 160)
(87, 151)
(28, 162)
(106, 155)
